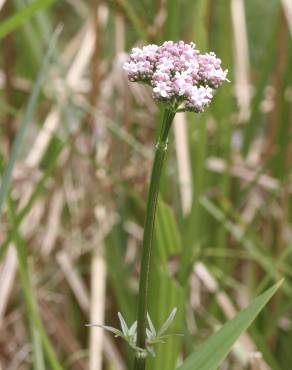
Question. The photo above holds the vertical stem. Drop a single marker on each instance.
(161, 147)
(8, 68)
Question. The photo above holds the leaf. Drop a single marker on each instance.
(133, 329)
(168, 322)
(151, 326)
(124, 325)
(217, 347)
(149, 334)
(168, 293)
(22, 15)
(133, 18)
(38, 189)
(28, 291)
(151, 351)
(167, 234)
(117, 332)
(261, 81)
(27, 118)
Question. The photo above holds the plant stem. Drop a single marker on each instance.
(161, 148)
(28, 293)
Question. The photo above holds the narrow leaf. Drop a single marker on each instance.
(27, 117)
(168, 322)
(149, 334)
(117, 332)
(124, 325)
(151, 351)
(28, 291)
(22, 15)
(133, 329)
(151, 326)
(217, 347)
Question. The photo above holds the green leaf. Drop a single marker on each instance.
(151, 326)
(167, 234)
(29, 295)
(111, 329)
(27, 118)
(22, 15)
(168, 322)
(217, 347)
(133, 329)
(124, 325)
(168, 293)
(38, 190)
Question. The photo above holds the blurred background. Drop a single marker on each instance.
(76, 146)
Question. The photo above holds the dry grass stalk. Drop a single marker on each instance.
(241, 55)
(97, 308)
(82, 297)
(183, 161)
(53, 224)
(244, 173)
(62, 334)
(73, 279)
(2, 2)
(7, 278)
(287, 8)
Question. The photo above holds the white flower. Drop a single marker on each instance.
(131, 67)
(161, 90)
(165, 64)
(150, 50)
(192, 66)
(200, 97)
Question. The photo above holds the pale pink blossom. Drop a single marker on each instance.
(199, 98)
(178, 73)
(210, 70)
(162, 89)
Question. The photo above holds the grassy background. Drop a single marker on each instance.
(75, 153)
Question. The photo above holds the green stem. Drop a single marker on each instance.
(29, 297)
(161, 148)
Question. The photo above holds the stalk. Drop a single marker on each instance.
(160, 151)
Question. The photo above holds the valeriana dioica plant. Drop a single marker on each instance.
(184, 80)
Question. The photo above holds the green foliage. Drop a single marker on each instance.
(168, 293)
(153, 337)
(239, 223)
(216, 348)
(40, 338)
(22, 16)
(26, 120)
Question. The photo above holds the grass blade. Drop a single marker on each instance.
(28, 291)
(27, 117)
(216, 348)
(21, 16)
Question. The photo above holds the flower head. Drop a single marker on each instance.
(178, 73)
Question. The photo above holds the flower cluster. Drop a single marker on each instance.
(178, 73)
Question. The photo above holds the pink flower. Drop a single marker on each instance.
(199, 98)
(162, 89)
(178, 73)
(210, 70)
(182, 82)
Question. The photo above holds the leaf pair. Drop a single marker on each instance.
(154, 336)
(129, 334)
